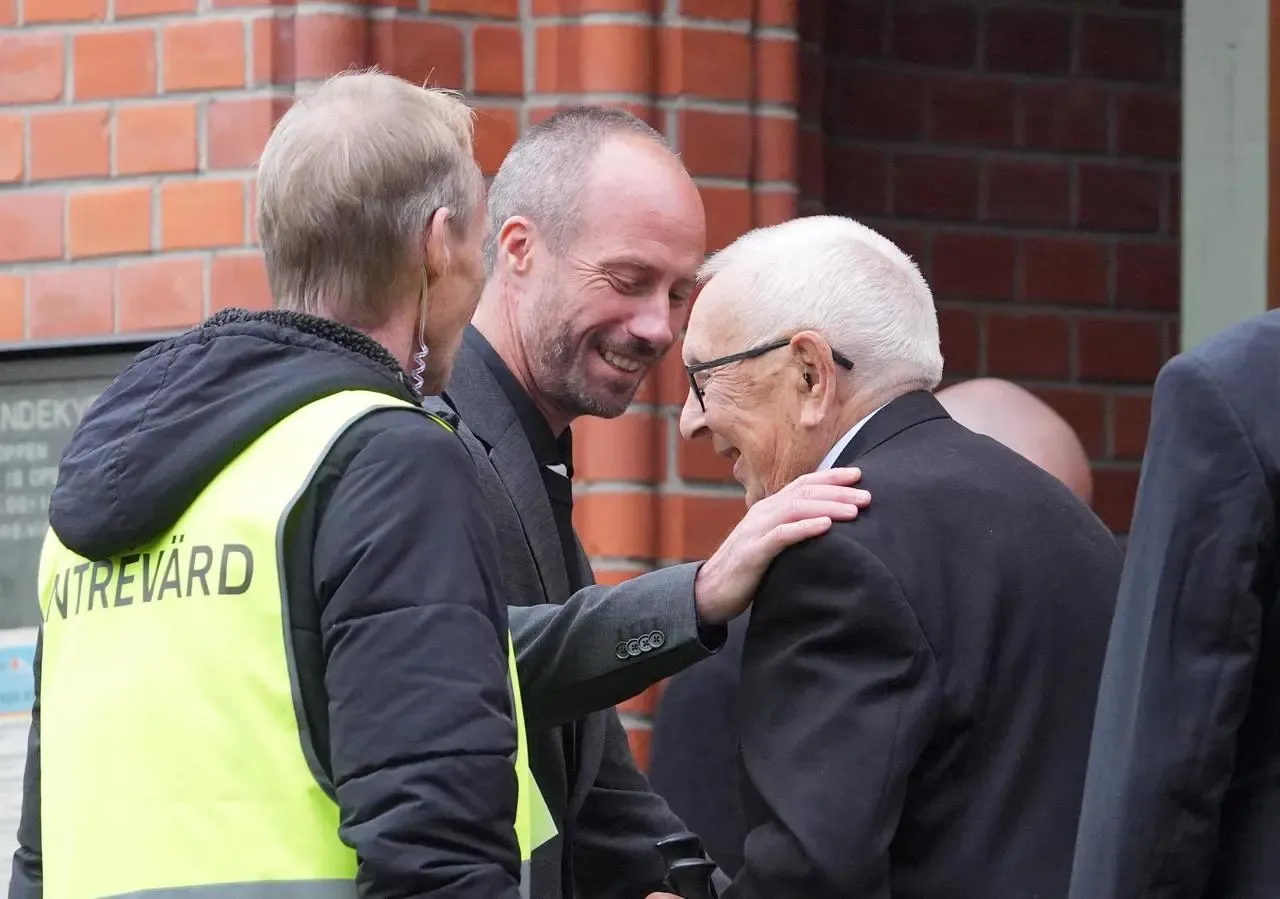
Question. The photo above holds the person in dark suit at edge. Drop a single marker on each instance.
(694, 738)
(1182, 799)
(918, 685)
(595, 235)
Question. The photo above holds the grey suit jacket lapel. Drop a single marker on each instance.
(480, 402)
(519, 570)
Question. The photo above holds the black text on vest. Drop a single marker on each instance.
(173, 572)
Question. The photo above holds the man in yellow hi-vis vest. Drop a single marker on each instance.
(275, 659)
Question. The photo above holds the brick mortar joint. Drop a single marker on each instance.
(1004, 153)
(204, 14)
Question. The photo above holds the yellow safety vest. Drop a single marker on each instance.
(171, 755)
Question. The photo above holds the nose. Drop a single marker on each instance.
(652, 322)
(693, 422)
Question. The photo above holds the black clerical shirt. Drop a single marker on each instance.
(554, 454)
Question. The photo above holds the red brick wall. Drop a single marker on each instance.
(132, 127)
(1028, 155)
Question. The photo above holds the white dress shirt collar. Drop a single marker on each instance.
(843, 442)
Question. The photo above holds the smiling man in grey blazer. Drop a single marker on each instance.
(596, 233)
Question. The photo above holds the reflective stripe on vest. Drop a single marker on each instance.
(172, 756)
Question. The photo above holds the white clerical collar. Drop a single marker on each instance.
(843, 442)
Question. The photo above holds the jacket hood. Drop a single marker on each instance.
(186, 407)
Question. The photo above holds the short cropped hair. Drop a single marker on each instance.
(840, 278)
(543, 176)
(347, 183)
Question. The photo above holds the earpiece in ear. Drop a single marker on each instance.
(421, 351)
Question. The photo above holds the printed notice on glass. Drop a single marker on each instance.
(36, 422)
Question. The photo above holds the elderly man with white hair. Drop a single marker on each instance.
(918, 685)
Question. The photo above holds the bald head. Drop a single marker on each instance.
(544, 175)
(596, 232)
(1026, 424)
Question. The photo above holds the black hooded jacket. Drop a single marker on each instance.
(399, 625)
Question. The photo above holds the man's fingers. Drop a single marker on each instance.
(829, 493)
(839, 502)
(844, 476)
(801, 509)
(793, 532)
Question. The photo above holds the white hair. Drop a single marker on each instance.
(837, 277)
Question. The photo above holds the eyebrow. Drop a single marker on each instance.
(632, 262)
(628, 268)
(625, 258)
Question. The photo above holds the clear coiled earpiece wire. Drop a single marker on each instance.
(420, 355)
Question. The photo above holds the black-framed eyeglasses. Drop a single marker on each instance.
(695, 370)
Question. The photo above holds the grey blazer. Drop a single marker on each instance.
(578, 656)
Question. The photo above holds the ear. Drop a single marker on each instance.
(435, 242)
(516, 245)
(814, 371)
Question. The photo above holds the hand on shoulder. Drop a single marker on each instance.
(805, 508)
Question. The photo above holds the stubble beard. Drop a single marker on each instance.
(563, 376)
(562, 373)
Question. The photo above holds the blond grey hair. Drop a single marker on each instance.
(837, 277)
(347, 183)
